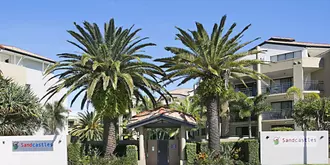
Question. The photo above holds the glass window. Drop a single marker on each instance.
(287, 105)
(273, 58)
(289, 56)
(297, 54)
(281, 57)
(276, 106)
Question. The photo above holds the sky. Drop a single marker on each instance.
(40, 26)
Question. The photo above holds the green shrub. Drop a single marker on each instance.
(203, 147)
(74, 153)
(132, 154)
(251, 149)
(246, 151)
(282, 129)
(190, 153)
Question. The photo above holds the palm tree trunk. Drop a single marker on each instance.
(109, 136)
(225, 119)
(250, 128)
(213, 121)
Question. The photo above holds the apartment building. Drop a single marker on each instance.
(27, 68)
(291, 63)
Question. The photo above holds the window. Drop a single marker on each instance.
(244, 131)
(273, 58)
(285, 56)
(284, 105)
(5, 58)
(281, 57)
(282, 110)
(289, 56)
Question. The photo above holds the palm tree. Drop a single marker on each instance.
(20, 111)
(109, 72)
(189, 106)
(214, 60)
(247, 107)
(89, 127)
(55, 116)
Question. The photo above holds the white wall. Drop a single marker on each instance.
(31, 72)
(290, 147)
(56, 157)
(272, 50)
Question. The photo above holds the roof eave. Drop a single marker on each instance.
(151, 120)
(25, 54)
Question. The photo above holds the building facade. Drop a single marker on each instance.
(290, 63)
(27, 69)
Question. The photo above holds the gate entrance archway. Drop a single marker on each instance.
(161, 152)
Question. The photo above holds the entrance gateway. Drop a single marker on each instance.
(161, 152)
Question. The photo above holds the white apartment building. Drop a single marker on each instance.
(27, 68)
(291, 63)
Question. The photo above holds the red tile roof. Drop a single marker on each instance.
(162, 111)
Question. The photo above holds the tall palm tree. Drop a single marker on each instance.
(55, 116)
(109, 72)
(214, 59)
(248, 107)
(89, 127)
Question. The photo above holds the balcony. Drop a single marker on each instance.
(277, 88)
(313, 85)
(249, 91)
(277, 114)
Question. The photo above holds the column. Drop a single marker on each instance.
(182, 144)
(141, 146)
(259, 92)
(120, 129)
(146, 138)
(298, 75)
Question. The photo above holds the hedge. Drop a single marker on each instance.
(132, 153)
(247, 150)
(282, 129)
(74, 152)
(191, 153)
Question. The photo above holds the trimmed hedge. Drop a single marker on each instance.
(74, 152)
(246, 150)
(132, 154)
(282, 129)
(191, 153)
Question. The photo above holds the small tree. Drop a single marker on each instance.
(20, 111)
(248, 107)
(312, 112)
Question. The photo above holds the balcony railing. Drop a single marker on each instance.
(277, 114)
(277, 88)
(247, 91)
(313, 85)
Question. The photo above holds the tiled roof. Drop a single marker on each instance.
(162, 112)
(293, 42)
(181, 91)
(24, 52)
